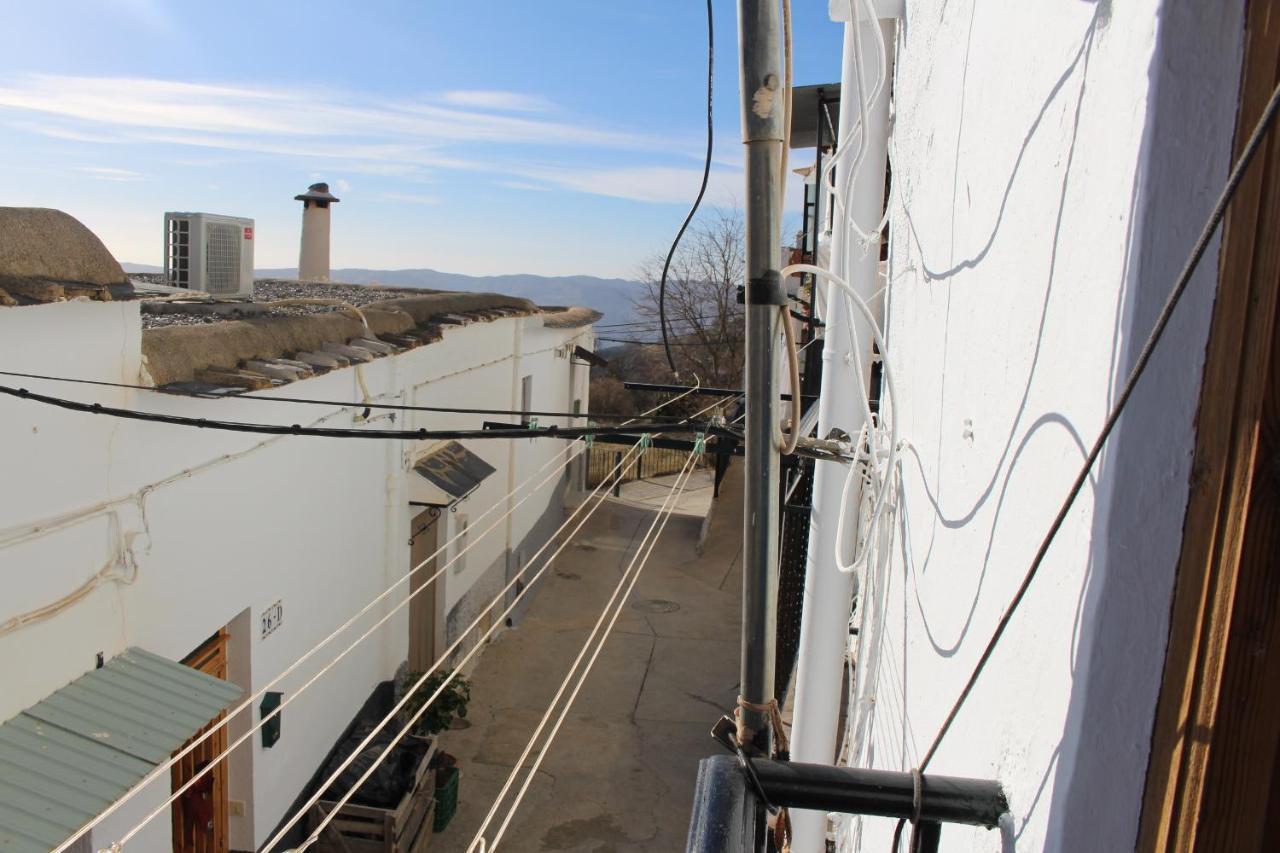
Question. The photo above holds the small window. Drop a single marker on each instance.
(463, 526)
(526, 395)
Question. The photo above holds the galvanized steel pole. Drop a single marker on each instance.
(761, 85)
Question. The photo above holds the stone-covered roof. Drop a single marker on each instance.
(48, 256)
(282, 348)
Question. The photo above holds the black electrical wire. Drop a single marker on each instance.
(338, 432)
(702, 190)
(1140, 365)
(396, 407)
(669, 345)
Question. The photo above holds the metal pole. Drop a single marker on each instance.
(760, 84)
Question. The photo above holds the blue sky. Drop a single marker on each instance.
(553, 137)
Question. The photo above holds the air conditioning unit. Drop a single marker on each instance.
(208, 252)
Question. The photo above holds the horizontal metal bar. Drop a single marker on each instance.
(716, 447)
(706, 392)
(887, 793)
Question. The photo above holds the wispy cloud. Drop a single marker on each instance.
(410, 198)
(488, 99)
(107, 173)
(641, 183)
(170, 105)
(375, 135)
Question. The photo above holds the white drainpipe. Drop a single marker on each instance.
(828, 593)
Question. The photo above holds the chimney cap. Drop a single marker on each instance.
(317, 192)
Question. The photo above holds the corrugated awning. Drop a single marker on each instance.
(447, 474)
(68, 757)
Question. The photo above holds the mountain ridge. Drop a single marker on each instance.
(613, 297)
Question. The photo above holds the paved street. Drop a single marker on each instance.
(619, 777)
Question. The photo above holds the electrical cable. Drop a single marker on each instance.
(852, 299)
(1140, 364)
(248, 701)
(702, 190)
(551, 431)
(623, 460)
(396, 407)
(192, 745)
(315, 834)
(628, 579)
(669, 344)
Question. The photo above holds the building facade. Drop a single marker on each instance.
(122, 534)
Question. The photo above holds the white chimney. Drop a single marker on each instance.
(313, 260)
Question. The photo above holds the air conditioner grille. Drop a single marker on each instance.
(179, 253)
(222, 258)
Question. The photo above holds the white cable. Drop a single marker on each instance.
(624, 460)
(852, 298)
(473, 540)
(416, 686)
(629, 578)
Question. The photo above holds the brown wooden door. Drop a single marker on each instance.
(1213, 782)
(200, 814)
(422, 607)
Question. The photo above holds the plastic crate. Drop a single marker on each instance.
(446, 798)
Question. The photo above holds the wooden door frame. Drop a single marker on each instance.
(211, 659)
(426, 608)
(1211, 767)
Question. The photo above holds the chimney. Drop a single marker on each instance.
(313, 260)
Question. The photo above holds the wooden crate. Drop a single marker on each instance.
(365, 829)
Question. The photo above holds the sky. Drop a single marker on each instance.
(556, 137)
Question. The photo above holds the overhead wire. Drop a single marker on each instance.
(315, 833)
(473, 539)
(628, 580)
(1181, 283)
(551, 431)
(247, 703)
(702, 190)
(309, 401)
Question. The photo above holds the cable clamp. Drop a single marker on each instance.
(588, 440)
(645, 441)
(533, 423)
(700, 443)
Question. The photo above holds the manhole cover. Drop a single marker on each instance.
(655, 605)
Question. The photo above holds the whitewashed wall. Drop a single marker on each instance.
(221, 523)
(1052, 162)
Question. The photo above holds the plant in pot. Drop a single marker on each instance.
(452, 702)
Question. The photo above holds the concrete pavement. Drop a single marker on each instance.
(619, 776)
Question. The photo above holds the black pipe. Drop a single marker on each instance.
(707, 392)
(887, 793)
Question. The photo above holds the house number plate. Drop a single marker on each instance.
(271, 618)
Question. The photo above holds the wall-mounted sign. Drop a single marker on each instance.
(271, 618)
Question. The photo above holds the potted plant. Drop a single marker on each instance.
(452, 702)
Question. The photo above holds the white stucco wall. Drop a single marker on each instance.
(1052, 163)
(218, 523)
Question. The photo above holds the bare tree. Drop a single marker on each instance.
(704, 318)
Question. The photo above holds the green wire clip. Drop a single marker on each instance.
(533, 423)
(645, 441)
(700, 443)
(589, 439)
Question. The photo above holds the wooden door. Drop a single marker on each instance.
(422, 607)
(200, 814)
(1213, 781)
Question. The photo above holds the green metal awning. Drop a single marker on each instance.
(67, 758)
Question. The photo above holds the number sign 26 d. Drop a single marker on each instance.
(271, 618)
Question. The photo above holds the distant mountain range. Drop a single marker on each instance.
(611, 296)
